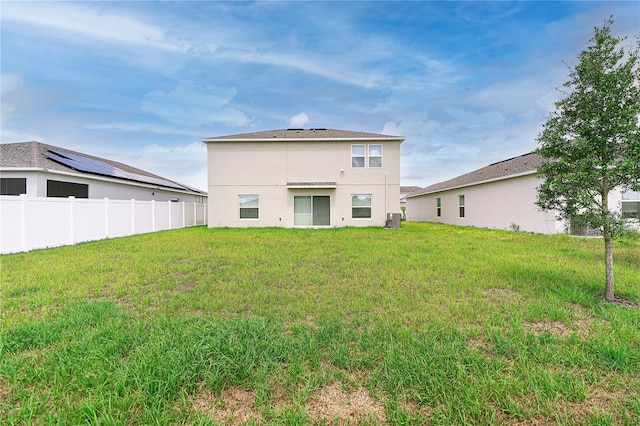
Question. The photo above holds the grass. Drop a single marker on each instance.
(430, 324)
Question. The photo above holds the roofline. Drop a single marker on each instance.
(516, 175)
(275, 139)
(101, 178)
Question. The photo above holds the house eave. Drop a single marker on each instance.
(326, 139)
(99, 178)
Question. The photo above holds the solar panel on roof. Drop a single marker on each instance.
(93, 166)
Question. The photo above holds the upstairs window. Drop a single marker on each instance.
(375, 155)
(13, 186)
(357, 156)
(249, 206)
(461, 205)
(366, 156)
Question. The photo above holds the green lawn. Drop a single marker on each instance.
(429, 324)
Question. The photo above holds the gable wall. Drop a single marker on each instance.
(265, 168)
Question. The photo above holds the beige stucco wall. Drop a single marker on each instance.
(499, 205)
(265, 168)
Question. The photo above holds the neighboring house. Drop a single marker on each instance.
(500, 196)
(42, 170)
(407, 190)
(303, 178)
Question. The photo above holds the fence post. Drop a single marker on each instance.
(106, 218)
(72, 218)
(184, 215)
(23, 233)
(133, 216)
(153, 215)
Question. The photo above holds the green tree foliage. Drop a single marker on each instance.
(592, 140)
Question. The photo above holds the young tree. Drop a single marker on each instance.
(592, 140)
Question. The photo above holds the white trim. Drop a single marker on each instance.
(240, 207)
(370, 207)
(363, 156)
(312, 225)
(375, 156)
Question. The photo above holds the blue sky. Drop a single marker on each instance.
(466, 83)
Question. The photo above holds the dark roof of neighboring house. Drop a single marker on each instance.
(502, 169)
(39, 155)
(295, 134)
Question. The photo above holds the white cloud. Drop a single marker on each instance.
(9, 135)
(90, 22)
(417, 124)
(189, 104)
(470, 119)
(6, 112)
(185, 164)
(143, 127)
(299, 120)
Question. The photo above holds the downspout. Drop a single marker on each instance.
(386, 195)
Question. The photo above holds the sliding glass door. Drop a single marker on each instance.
(312, 210)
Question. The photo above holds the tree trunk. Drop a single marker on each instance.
(608, 263)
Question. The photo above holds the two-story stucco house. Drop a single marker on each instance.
(303, 178)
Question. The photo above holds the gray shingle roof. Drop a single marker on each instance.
(303, 134)
(502, 169)
(33, 154)
(410, 189)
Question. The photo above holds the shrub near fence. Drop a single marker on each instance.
(28, 223)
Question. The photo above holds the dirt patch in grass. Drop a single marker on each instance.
(581, 326)
(235, 407)
(4, 392)
(502, 295)
(625, 302)
(480, 345)
(597, 399)
(335, 405)
(556, 328)
(504, 419)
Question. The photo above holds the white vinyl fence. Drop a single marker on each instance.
(28, 223)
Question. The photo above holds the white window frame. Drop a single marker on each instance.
(362, 207)
(240, 207)
(462, 213)
(630, 198)
(438, 207)
(374, 156)
(363, 156)
(311, 198)
(366, 156)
